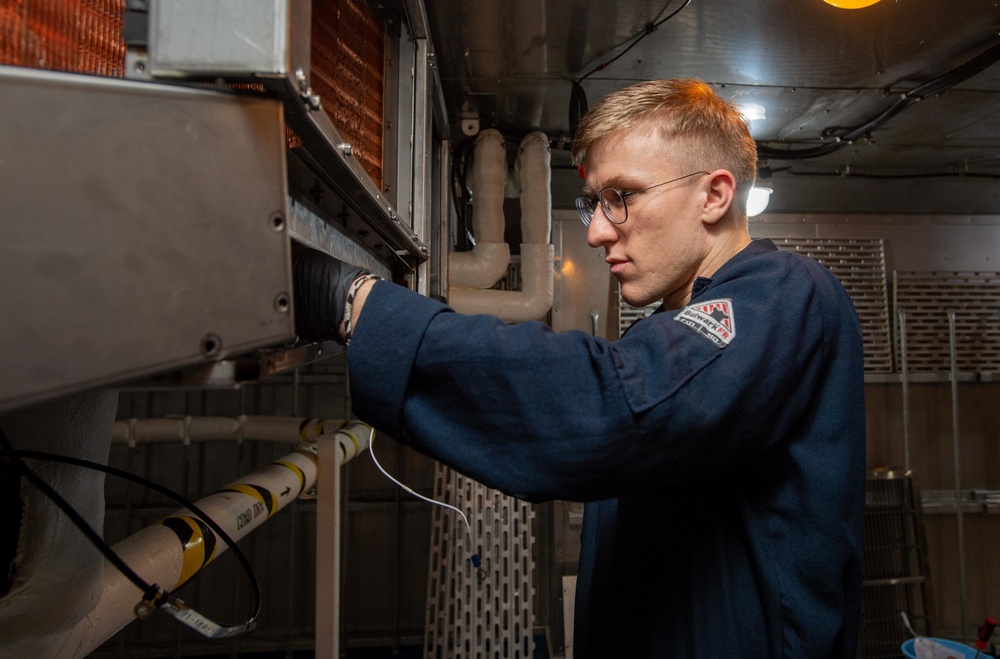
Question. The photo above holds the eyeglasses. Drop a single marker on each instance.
(613, 202)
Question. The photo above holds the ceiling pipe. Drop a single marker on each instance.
(187, 429)
(537, 253)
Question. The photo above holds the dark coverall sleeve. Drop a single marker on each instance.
(543, 415)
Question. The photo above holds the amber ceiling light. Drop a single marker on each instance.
(850, 4)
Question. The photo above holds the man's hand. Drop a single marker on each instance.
(321, 284)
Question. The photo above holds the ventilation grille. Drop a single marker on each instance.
(347, 66)
(489, 615)
(627, 314)
(859, 264)
(927, 297)
(74, 36)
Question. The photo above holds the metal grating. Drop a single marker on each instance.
(488, 616)
(927, 297)
(627, 314)
(859, 264)
(896, 575)
(75, 36)
(347, 67)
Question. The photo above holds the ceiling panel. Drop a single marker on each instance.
(817, 71)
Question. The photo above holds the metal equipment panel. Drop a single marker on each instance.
(143, 229)
(185, 37)
(859, 264)
(585, 296)
(927, 297)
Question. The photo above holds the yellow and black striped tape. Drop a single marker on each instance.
(198, 541)
(262, 494)
(304, 429)
(294, 468)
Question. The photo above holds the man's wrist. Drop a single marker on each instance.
(356, 295)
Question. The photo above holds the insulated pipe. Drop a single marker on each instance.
(537, 253)
(55, 576)
(535, 176)
(487, 262)
(186, 429)
(530, 303)
(172, 551)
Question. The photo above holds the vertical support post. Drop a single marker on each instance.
(905, 379)
(422, 146)
(958, 466)
(328, 547)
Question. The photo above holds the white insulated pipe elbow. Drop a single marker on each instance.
(537, 254)
(487, 262)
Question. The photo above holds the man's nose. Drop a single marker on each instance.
(601, 229)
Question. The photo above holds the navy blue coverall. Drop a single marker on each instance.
(720, 449)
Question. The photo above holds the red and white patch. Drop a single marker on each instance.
(713, 320)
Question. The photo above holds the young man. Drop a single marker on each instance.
(719, 444)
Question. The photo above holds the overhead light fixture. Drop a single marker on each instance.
(757, 200)
(752, 111)
(851, 4)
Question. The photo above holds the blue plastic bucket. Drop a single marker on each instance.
(960, 650)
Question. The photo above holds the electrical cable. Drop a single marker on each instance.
(461, 195)
(578, 98)
(930, 88)
(476, 562)
(888, 177)
(154, 597)
(649, 28)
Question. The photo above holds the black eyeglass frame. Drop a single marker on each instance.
(587, 206)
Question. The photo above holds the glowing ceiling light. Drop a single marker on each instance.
(850, 4)
(757, 200)
(753, 111)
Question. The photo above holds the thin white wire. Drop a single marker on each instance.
(371, 450)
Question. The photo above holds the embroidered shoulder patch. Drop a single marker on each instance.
(713, 320)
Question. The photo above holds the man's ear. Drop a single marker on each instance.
(721, 193)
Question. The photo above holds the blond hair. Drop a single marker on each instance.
(712, 132)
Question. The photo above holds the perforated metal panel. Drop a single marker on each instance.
(627, 314)
(926, 297)
(488, 616)
(859, 264)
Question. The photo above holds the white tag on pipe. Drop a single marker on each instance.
(201, 624)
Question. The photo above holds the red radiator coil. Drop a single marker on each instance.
(347, 66)
(75, 36)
